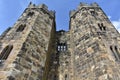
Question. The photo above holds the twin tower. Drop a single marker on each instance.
(33, 50)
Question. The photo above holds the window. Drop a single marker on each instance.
(5, 52)
(92, 13)
(116, 57)
(117, 52)
(64, 48)
(21, 28)
(65, 76)
(30, 14)
(102, 27)
(58, 48)
(61, 47)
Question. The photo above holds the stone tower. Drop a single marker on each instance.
(95, 44)
(33, 50)
(24, 47)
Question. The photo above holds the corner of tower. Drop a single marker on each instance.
(45, 7)
(72, 12)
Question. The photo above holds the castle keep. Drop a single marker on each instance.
(33, 50)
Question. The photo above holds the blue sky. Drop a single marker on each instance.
(10, 11)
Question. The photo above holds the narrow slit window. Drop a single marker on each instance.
(64, 48)
(61, 48)
(65, 76)
(92, 13)
(98, 24)
(58, 48)
(104, 28)
(113, 52)
(21, 28)
(5, 52)
(102, 24)
(100, 27)
(117, 52)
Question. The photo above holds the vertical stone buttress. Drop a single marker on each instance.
(95, 44)
(24, 47)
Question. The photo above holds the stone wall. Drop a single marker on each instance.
(64, 55)
(33, 50)
(30, 37)
(93, 35)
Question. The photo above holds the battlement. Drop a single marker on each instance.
(88, 5)
(82, 5)
(42, 6)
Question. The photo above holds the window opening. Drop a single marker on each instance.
(65, 76)
(21, 28)
(58, 48)
(102, 27)
(30, 14)
(113, 53)
(117, 52)
(5, 52)
(101, 24)
(92, 13)
(64, 48)
(61, 47)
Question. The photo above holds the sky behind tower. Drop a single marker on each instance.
(10, 11)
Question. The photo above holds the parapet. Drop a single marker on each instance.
(87, 5)
(81, 5)
(42, 6)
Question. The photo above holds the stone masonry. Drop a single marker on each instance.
(33, 50)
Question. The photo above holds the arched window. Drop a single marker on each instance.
(5, 52)
(21, 28)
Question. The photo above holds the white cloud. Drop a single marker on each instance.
(117, 24)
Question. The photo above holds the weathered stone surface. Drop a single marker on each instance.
(92, 44)
(31, 35)
(33, 50)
